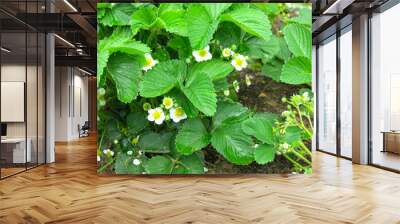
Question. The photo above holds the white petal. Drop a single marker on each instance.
(150, 117)
(207, 48)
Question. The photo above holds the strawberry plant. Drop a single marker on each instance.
(167, 90)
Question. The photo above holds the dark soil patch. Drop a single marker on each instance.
(263, 95)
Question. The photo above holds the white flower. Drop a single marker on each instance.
(108, 152)
(285, 113)
(168, 102)
(130, 152)
(205, 170)
(98, 158)
(236, 86)
(285, 146)
(136, 162)
(239, 62)
(150, 62)
(157, 115)
(116, 141)
(227, 52)
(248, 80)
(226, 92)
(306, 97)
(177, 114)
(202, 55)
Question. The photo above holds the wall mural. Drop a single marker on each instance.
(215, 88)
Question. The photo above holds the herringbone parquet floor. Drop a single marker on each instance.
(70, 191)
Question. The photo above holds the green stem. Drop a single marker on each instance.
(101, 169)
(101, 140)
(294, 162)
(301, 156)
(306, 149)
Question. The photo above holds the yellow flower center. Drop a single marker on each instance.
(202, 53)
(179, 112)
(167, 102)
(226, 52)
(156, 115)
(239, 62)
(149, 61)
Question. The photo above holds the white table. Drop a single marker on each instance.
(19, 155)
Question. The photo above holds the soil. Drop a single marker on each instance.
(263, 95)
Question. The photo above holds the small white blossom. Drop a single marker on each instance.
(116, 141)
(248, 80)
(177, 114)
(226, 92)
(156, 115)
(98, 159)
(205, 170)
(227, 52)
(136, 162)
(239, 62)
(150, 62)
(168, 102)
(108, 152)
(130, 152)
(306, 97)
(203, 54)
(285, 145)
(236, 86)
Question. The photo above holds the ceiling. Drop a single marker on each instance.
(74, 22)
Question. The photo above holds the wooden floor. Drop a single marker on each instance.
(70, 191)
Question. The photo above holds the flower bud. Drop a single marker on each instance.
(146, 106)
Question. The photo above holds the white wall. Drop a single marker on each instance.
(71, 94)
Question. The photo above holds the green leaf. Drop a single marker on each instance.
(102, 59)
(190, 110)
(175, 22)
(117, 15)
(215, 69)
(200, 31)
(192, 137)
(284, 53)
(297, 71)
(233, 144)
(192, 164)
(162, 78)
(229, 113)
(273, 69)
(126, 72)
(119, 41)
(298, 39)
(270, 9)
(143, 18)
(124, 165)
(199, 89)
(155, 143)
(251, 20)
(264, 154)
(292, 134)
(165, 7)
(261, 127)
(136, 122)
(159, 165)
(180, 45)
(228, 34)
(304, 17)
(259, 48)
(215, 9)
